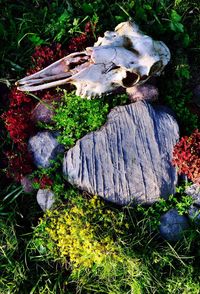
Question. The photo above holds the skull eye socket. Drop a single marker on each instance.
(131, 79)
(156, 67)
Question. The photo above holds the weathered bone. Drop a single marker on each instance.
(125, 57)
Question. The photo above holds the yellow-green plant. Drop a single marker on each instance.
(89, 237)
(82, 232)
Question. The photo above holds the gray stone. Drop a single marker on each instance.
(173, 225)
(44, 147)
(194, 214)
(43, 112)
(27, 184)
(129, 158)
(194, 191)
(45, 199)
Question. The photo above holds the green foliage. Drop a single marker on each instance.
(24, 25)
(75, 117)
(12, 271)
(9, 196)
(180, 201)
(177, 96)
(54, 172)
(175, 22)
(110, 250)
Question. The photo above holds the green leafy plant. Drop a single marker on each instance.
(175, 22)
(50, 178)
(180, 201)
(75, 117)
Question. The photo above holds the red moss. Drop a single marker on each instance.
(19, 164)
(18, 98)
(45, 55)
(44, 182)
(186, 156)
(18, 124)
(86, 39)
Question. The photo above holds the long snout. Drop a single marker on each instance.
(56, 74)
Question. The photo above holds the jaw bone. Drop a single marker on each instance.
(122, 58)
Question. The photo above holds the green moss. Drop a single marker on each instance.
(75, 117)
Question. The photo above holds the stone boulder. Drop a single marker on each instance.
(27, 184)
(43, 112)
(194, 192)
(129, 158)
(44, 147)
(142, 92)
(45, 198)
(173, 225)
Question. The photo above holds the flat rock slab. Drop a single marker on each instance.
(129, 158)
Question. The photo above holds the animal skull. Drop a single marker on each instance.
(122, 58)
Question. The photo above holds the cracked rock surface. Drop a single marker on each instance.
(129, 158)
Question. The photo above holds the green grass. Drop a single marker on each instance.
(149, 264)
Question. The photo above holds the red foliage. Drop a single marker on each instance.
(45, 182)
(18, 124)
(186, 156)
(45, 55)
(19, 164)
(84, 40)
(17, 98)
(17, 118)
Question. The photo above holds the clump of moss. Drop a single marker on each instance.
(75, 117)
(88, 237)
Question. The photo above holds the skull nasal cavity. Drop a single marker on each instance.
(130, 79)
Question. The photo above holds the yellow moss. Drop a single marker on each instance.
(78, 235)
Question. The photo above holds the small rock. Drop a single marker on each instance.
(44, 147)
(194, 191)
(194, 214)
(43, 112)
(27, 184)
(143, 92)
(172, 225)
(45, 199)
